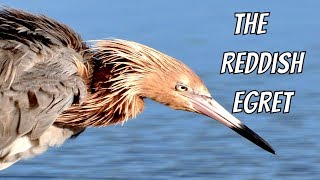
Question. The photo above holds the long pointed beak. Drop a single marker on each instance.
(209, 107)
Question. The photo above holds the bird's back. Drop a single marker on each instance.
(37, 30)
(42, 73)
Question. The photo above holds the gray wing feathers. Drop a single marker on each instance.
(34, 91)
(38, 74)
(32, 110)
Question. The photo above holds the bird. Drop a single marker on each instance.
(53, 85)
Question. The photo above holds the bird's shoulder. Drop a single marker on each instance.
(35, 88)
(42, 73)
(31, 45)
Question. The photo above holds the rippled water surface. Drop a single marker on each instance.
(165, 144)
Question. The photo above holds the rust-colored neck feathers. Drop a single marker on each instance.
(124, 72)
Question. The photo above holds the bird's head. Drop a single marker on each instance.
(138, 70)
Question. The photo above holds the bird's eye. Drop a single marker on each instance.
(181, 87)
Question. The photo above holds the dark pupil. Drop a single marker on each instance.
(183, 88)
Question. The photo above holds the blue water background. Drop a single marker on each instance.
(165, 144)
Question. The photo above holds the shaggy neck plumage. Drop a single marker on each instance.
(102, 109)
(108, 102)
(120, 80)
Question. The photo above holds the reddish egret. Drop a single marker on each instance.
(53, 86)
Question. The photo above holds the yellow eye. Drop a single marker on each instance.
(181, 87)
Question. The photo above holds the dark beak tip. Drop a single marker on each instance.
(246, 132)
(271, 150)
(268, 148)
